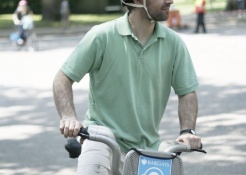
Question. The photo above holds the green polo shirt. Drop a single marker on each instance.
(129, 83)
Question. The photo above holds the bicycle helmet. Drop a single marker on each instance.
(128, 1)
(22, 2)
(132, 4)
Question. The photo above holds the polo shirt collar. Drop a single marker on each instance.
(160, 31)
(124, 28)
(123, 25)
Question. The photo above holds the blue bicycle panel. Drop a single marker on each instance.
(153, 166)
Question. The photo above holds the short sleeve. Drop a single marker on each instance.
(184, 78)
(86, 57)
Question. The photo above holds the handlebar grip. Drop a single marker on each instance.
(73, 147)
(84, 133)
(201, 146)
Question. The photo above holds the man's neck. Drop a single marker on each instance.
(141, 26)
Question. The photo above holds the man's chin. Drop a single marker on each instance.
(163, 18)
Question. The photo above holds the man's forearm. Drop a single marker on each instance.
(63, 95)
(188, 109)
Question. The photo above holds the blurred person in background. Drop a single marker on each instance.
(240, 8)
(23, 21)
(200, 11)
(65, 12)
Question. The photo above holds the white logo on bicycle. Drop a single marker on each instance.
(153, 166)
(153, 171)
(144, 161)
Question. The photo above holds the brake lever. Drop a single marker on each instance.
(199, 150)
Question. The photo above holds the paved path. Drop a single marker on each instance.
(30, 142)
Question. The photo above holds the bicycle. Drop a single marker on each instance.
(137, 161)
(24, 35)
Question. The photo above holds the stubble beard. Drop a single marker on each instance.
(161, 17)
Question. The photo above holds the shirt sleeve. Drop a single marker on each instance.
(86, 57)
(184, 78)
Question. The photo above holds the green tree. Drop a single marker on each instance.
(9, 6)
(50, 9)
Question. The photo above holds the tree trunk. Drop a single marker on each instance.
(51, 10)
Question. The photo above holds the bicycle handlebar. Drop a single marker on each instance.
(178, 147)
(105, 135)
(99, 134)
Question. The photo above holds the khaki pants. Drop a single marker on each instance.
(96, 157)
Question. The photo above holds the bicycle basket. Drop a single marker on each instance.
(145, 162)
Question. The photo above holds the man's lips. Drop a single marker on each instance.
(165, 9)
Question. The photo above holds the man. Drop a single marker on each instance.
(200, 11)
(240, 8)
(65, 12)
(133, 62)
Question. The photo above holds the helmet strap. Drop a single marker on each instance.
(140, 6)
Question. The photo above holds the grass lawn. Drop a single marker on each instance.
(85, 19)
(188, 6)
(185, 6)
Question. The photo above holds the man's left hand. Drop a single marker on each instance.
(190, 139)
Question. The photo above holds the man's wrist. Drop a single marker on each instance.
(191, 131)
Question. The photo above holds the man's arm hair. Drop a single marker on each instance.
(187, 110)
(63, 95)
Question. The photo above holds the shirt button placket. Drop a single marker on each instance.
(141, 54)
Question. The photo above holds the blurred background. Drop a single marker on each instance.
(47, 12)
(30, 141)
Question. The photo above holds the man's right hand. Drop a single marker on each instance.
(70, 126)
